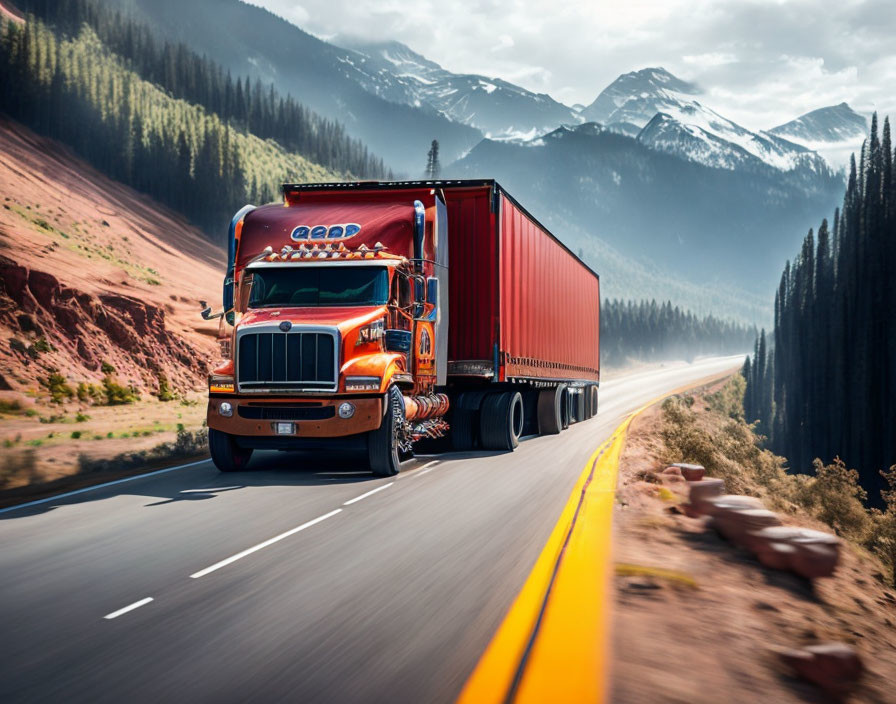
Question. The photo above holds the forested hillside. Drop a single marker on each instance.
(162, 119)
(824, 385)
(648, 331)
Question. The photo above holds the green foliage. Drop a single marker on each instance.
(165, 393)
(834, 497)
(116, 394)
(726, 447)
(13, 406)
(59, 389)
(729, 400)
(824, 385)
(41, 345)
(81, 417)
(75, 434)
(649, 331)
(90, 393)
(163, 119)
(107, 368)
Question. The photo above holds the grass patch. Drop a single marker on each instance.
(681, 579)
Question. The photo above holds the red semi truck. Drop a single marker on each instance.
(374, 315)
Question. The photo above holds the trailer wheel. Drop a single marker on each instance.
(580, 403)
(383, 451)
(565, 408)
(550, 410)
(226, 454)
(592, 397)
(464, 419)
(501, 420)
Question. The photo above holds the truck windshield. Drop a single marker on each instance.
(309, 286)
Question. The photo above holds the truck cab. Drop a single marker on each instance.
(334, 333)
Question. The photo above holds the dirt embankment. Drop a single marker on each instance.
(93, 272)
(699, 620)
(98, 284)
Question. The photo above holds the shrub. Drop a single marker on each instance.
(835, 497)
(19, 464)
(116, 394)
(165, 393)
(107, 368)
(59, 390)
(187, 444)
(10, 406)
(729, 400)
(41, 345)
(76, 434)
(81, 417)
(90, 393)
(883, 532)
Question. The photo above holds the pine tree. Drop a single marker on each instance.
(433, 168)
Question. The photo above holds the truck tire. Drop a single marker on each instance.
(586, 395)
(383, 452)
(550, 412)
(565, 408)
(465, 419)
(226, 454)
(501, 421)
(579, 401)
(592, 393)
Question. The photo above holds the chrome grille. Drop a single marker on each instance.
(298, 360)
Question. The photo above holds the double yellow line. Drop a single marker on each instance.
(551, 646)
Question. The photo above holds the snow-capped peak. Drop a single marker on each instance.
(700, 134)
(635, 97)
(835, 132)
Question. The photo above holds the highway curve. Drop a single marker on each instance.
(283, 583)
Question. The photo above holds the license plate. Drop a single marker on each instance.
(285, 428)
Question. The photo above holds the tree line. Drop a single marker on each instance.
(649, 331)
(249, 105)
(63, 81)
(823, 384)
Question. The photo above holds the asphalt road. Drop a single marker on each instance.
(387, 598)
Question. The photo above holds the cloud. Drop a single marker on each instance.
(761, 62)
(711, 59)
(505, 41)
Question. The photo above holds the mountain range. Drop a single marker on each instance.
(637, 140)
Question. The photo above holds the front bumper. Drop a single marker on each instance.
(313, 418)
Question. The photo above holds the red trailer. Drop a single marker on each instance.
(428, 307)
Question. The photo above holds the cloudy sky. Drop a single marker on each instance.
(760, 62)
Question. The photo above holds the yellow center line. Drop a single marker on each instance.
(552, 644)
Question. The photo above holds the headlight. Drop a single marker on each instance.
(225, 409)
(220, 384)
(372, 332)
(362, 383)
(346, 410)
